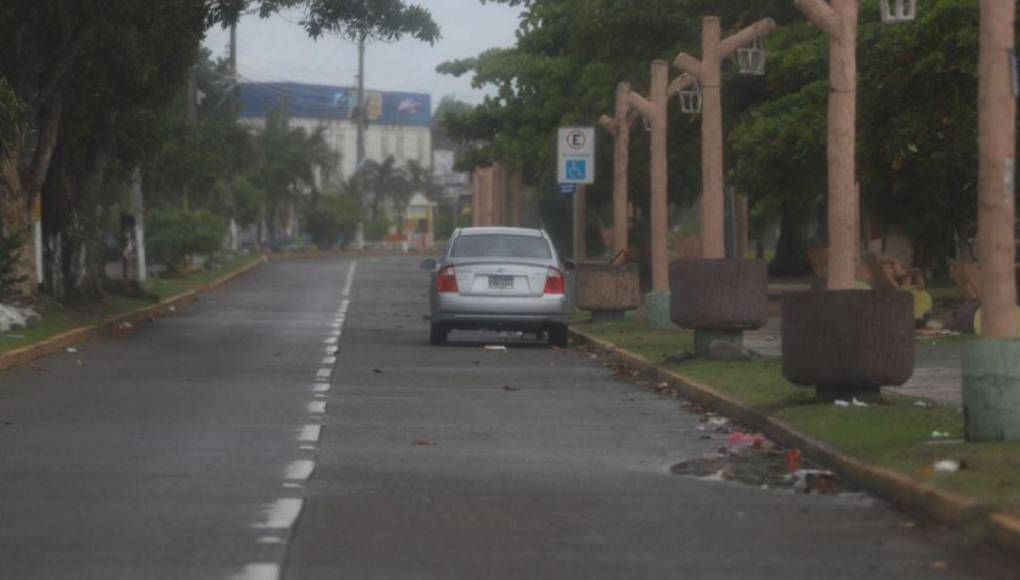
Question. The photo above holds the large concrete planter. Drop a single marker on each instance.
(719, 294)
(848, 343)
(719, 299)
(607, 291)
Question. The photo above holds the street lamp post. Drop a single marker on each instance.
(991, 366)
(619, 127)
(716, 297)
(708, 72)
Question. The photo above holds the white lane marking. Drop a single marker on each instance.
(332, 350)
(308, 448)
(321, 388)
(337, 324)
(269, 540)
(336, 333)
(310, 434)
(317, 407)
(259, 572)
(281, 514)
(300, 470)
(324, 373)
(292, 486)
(321, 396)
(329, 360)
(350, 278)
(330, 340)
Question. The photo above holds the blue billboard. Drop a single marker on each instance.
(332, 102)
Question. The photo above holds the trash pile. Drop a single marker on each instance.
(750, 458)
(17, 318)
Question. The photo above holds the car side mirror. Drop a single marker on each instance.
(570, 265)
(429, 264)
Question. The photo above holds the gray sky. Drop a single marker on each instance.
(277, 49)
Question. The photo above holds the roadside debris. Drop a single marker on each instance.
(852, 403)
(678, 358)
(947, 466)
(939, 435)
(923, 404)
(495, 348)
(71, 349)
(793, 459)
(815, 481)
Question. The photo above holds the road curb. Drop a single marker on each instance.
(975, 517)
(116, 325)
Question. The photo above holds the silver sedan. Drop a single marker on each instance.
(499, 279)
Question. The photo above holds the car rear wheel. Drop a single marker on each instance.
(559, 336)
(438, 334)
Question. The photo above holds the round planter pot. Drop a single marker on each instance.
(991, 390)
(605, 290)
(848, 343)
(722, 295)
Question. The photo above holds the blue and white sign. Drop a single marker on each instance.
(576, 153)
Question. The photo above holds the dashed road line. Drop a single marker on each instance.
(260, 572)
(310, 434)
(300, 470)
(281, 514)
(350, 278)
(317, 407)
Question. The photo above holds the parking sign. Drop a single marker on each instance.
(576, 153)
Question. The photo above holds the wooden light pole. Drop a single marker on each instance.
(619, 127)
(838, 19)
(996, 193)
(991, 366)
(654, 110)
(708, 72)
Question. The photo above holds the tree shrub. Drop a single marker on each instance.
(174, 235)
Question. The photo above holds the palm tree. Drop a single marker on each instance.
(291, 163)
(422, 180)
(386, 181)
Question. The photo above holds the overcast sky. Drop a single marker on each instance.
(277, 49)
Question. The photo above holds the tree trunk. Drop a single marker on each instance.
(791, 254)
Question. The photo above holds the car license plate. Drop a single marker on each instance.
(501, 282)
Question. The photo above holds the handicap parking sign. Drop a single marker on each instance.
(577, 169)
(576, 153)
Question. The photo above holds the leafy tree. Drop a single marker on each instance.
(175, 235)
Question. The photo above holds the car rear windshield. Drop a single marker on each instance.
(501, 246)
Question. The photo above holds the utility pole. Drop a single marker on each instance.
(714, 49)
(235, 242)
(991, 372)
(359, 236)
(361, 101)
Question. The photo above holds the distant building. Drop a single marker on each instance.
(399, 124)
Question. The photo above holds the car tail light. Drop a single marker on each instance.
(446, 281)
(555, 282)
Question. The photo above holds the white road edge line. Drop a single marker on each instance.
(310, 434)
(324, 373)
(330, 340)
(320, 388)
(329, 360)
(259, 572)
(317, 407)
(300, 470)
(350, 278)
(281, 514)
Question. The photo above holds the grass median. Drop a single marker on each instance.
(906, 434)
(57, 318)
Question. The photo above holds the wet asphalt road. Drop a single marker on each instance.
(224, 442)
